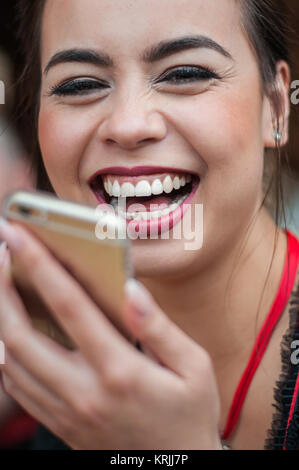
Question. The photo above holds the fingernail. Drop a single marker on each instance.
(10, 235)
(139, 296)
(3, 249)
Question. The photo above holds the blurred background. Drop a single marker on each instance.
(14, 168)
(15, 427)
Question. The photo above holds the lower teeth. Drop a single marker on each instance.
(148, 215)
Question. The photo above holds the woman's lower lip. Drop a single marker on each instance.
(164, 223)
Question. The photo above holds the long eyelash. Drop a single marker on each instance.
(190, 74)
(187, 74)
(76, 87)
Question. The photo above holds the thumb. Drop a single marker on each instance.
(172, 347)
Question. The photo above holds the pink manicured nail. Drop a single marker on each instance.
(139, 296)
(10, 235)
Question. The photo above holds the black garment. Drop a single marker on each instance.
(45, 440)
(285, 387)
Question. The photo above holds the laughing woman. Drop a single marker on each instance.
(176, 98)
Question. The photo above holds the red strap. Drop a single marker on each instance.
(261, 343)
(292, 409)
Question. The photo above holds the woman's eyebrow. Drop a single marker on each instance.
(166, 48)
(88, 56)
(155, 53)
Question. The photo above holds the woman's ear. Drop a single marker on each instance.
(282, 84)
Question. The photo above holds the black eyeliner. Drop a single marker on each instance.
(76, 87)
(191, 73)
(184, 74)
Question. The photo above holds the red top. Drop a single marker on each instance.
(261, 343)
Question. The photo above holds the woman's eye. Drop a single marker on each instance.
(188, 75)
(77, 87)
(182, 75)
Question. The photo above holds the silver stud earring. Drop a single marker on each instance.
(277, 136)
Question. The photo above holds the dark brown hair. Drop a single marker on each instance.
(28, 24)
(265, 24)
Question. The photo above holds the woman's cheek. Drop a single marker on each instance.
(234, 128)
(235, 158)
(232, 151)
(224, 133)
(62, 138)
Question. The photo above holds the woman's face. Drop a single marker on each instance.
(136, 104)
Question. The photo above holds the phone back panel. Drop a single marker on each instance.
(68, 230)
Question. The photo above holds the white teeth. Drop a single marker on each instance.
(176, 183)
(157, 187)
(168, 185)
(156, 215)
(142, 189)
(150, 215)
(127, 190)
(116, 189)
(173, 207)
(110, 186)
(165, 212)
(183, 181)
(146, 215)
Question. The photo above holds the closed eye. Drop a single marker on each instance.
(77, 87)
(188, 74)
(179, 76)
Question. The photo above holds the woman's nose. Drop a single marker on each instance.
(132, 123)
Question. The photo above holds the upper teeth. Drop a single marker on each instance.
(144, 188)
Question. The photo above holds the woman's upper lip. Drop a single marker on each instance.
(138, 171)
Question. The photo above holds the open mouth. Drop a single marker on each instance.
(147, 197)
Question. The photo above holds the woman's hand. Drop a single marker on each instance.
(106, 394)
(8, 407)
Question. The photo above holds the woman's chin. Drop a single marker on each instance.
(161, 258)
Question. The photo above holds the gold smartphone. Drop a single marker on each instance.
(70, 232)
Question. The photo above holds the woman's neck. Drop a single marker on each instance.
(218, 307)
